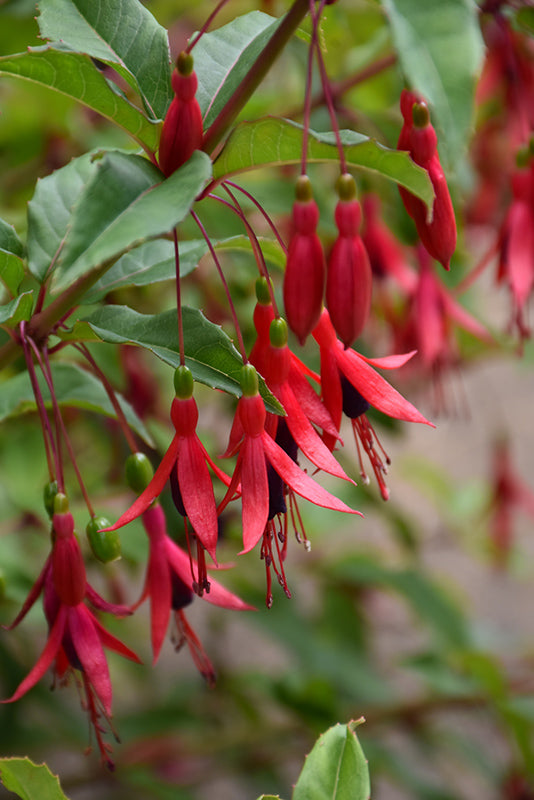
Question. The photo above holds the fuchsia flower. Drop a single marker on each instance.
(516, 247)
(256, 450)
(188, 457)
(349, 280)
(181, 134)
(305, 269)
(419, 137)
(385, 253)
(509, 492)
(350, 383)
(429, 324)
(76, 639)
(169, 585)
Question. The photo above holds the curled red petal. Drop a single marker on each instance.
(89, 649)
(50, 651)
(197, 493)
(154, 488)
(299, 481)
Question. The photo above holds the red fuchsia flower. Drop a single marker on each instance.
(508, 493)
(76, 639)
(516, 247)
(255, 451)
(188, 457)
(386, 254)
(349, 279)
(169, 585)
(277, 365)
(349, 383)
(181, 134)
(419, 137)
(305, 268)
(308, 400)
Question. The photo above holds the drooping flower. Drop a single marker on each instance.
(349, 279)
(305, 268)
(516, 247)
(181, 134)
(342, 368)
(188, 456)
(385, 253)
(76, 638)
(418, 136)
(169, 585)
(256, 450)
(508, 492)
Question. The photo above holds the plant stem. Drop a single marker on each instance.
(255, 75)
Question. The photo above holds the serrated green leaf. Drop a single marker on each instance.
(74, 387)
(209, 352)
(49, 211)
(122, 33)
(336, 768)
(154, 261)
(223, 58)
(30, 781)
(440, 50)
(16, 310)
(275, 142)
(115, 213)
(75, 75)
(11, 251)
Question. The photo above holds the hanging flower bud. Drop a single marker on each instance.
(349, 279)
(181, 134)
(305, 269)
(68, 569)
(105, 545)
(419, 137)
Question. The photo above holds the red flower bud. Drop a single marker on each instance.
(419, 138)
(349, 279)
(181, 134)
(305, 269)
(68, 569)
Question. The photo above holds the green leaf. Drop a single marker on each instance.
(16, 310)
(119, 209)
(154, 261)
(122, 33)
(269, 797)
(11, 251)
(275, 142)
(209, 352)
(223, 58)
(74, 387)
(336, 768)
(49, 211)
(30, 781)
(76, 76)
(440, 49)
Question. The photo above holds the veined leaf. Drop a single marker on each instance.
(30, 781)
(119, 209)
(76, 75)
(122, 33)
(223, 58)
(16, 310)
(11, 251)
(209, 352)
(154, 261)
(73, 387)
(271, 141)
(336, 768)
(440, 49)
(49, 212)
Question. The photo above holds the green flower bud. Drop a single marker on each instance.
(49, 494)
(183, 382)
(106, 545)
(278, 332)
(185, 64)
(139, 472)
(249, 381)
